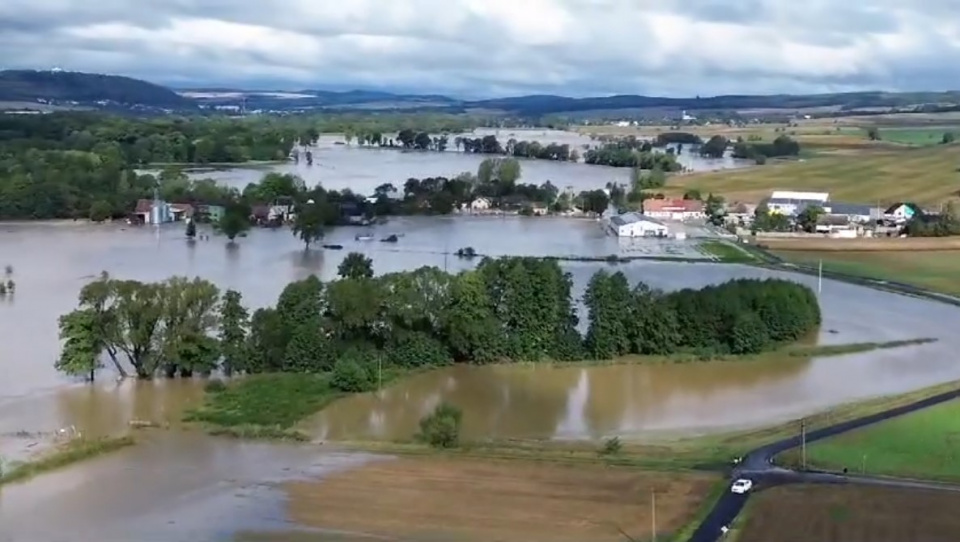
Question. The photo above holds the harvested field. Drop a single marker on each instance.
(937, 270)
(926, 176)
(851, 514)
(438, 498)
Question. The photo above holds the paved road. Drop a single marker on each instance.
(758, 466)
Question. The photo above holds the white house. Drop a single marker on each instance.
(674, 209)
(636, 225)
(902, 212)
(788, 202)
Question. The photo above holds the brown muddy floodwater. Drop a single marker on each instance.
(190, 487)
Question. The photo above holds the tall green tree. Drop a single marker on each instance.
(355, 266)
(309, 222)
(234, 325)
(234, 221)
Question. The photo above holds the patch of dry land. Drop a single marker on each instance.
(851, 514)
(924, 175)
(448, 498)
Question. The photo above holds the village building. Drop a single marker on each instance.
(674, 209)
(636, 225)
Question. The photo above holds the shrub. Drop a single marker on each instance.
(350, 376)
(441, 429)
(611, 446)
(214, 386)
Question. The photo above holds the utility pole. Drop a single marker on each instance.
(653, 515)
(803, 443)
(863, 464)
(820, 278)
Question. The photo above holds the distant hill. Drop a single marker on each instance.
(85, 88)
(547, 104)
(64, 88)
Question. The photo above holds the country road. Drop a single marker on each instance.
(758, 466)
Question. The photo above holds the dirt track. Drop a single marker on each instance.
(438, 498)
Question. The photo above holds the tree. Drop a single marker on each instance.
(80, 355)
(234, 222)
(100, 210)
(809, 216)
(948, 137)
(355, 266)
(594, 201)
(715, 147)
(308, 223)
(191, 229)
(234, 323)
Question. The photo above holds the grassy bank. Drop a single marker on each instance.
(922, 445)
(71, 452)
(935, 270)
(870, 177)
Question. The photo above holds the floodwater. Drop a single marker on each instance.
(188, 487)
(170, 487)
(362, 169)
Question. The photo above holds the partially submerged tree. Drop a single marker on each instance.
(234, 221)
(355, 266)
(308, 223)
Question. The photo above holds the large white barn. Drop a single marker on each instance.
(636, 225)
(788, 202)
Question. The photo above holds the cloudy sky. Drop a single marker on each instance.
(478, 48)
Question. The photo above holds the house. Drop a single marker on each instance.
(674, 209)
(852, 212)
(539, 209)
(480, 204)
(902, 212)
(281, 210)
(157, 211)
(791, 203)
(636, 225)
(180, 211)
(260, 214)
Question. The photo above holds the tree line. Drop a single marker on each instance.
(507, 309)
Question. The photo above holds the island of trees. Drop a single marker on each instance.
(508, 309)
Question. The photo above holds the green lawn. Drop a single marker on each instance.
(935, 270)
(917, 136)
(924, 444)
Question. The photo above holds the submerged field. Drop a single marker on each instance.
(922, 445)
(440, 498)
(937, 270)
(851, 514)
(878, 177)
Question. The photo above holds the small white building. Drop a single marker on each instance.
(791, 203)
(480, 204)
(636, 225)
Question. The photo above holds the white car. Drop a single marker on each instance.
(742, 486)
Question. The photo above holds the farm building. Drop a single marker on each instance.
(674, 209)
(636, 225)
(853, 212)
(787, 202)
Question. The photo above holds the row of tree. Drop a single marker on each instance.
(506, 309)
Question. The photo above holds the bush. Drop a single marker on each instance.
(441, 429)
(350, 376)
(611, 446)
(214, 386)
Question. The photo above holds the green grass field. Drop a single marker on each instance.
(917, 136)
(924, 444)
(925, 175)
(937, 270)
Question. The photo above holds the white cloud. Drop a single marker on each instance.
(480, 47)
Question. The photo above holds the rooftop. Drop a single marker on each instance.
(631, 218)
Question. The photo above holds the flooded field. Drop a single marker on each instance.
(362, 169)
(185, 486)
(171, 488)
